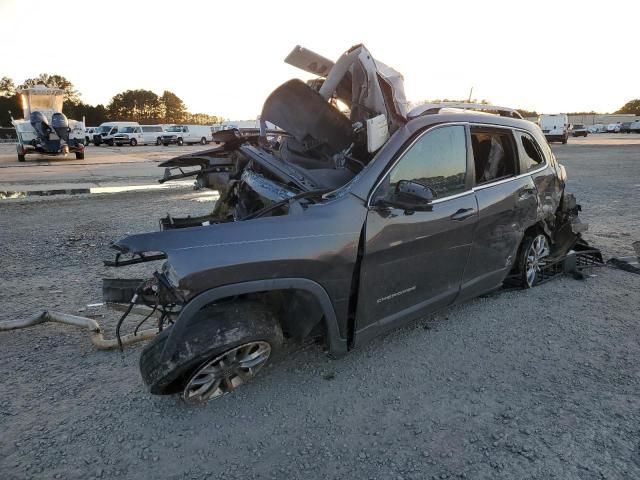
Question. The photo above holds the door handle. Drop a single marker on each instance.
(463, 214)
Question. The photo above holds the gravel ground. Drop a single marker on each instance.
(524, 384)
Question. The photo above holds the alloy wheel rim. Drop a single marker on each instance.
(226, 372)
(537, 251)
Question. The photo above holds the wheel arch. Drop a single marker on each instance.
(302, 297)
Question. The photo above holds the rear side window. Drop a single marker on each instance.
(437, 160)
(531, 153)
(493, 154)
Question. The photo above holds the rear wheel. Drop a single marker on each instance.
(203, 141)
(158, 141)
(133, 142)
(533, 251)
(21, 158)
(79, 155)
(225, 346)
(109, 142)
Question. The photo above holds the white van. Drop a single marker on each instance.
(107, 131)
(181, 134)
(555, 127)
(140, 135)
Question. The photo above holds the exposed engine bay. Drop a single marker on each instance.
(326, 131)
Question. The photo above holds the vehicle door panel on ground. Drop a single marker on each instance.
(414, 257)
(507, 204)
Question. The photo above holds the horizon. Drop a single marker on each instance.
(527, 58)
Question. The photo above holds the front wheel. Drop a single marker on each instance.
(133, 142)
(158, 141)
(533, 251)
(225, 346)
(79, 155)
(21, 158)
(203, 141)
(180, 142)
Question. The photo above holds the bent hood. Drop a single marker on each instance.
(267, 247)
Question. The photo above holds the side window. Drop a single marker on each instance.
(137, 130)
(493, 154)
(437, 160)
(531, 153)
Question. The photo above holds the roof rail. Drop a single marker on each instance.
(430, 108)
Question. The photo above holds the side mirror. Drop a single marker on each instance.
(410, 191)
(409, 196)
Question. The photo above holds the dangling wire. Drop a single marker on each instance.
(155, 307)
(132, 302)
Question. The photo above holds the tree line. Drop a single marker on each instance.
(142, 106)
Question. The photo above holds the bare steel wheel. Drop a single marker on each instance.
(226, 372)
(535, 250)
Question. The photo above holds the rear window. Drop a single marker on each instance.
(531, 154)
(493, 154)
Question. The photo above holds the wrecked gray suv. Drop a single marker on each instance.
(348, 217)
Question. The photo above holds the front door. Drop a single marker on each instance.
(414, 258)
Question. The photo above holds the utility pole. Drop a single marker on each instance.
(470, 94)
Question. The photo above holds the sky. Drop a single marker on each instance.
(225, 58)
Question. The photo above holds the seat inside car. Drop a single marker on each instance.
(493, 156)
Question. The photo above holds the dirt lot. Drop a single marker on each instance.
(102, 166)
(529, 384)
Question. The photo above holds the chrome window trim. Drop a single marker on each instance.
(477, 187)
(516, 177)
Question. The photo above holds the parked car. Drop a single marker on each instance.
(189, 134)
(579, 130)
(88, 134)
(555, 127)
(348, 226)
(625, 127)
(107, 131)
(597, 128)
(613, 128)
(635, 126)
(142, 135)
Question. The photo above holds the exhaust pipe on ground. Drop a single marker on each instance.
(95, 332)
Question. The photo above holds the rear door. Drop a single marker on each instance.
(507, 205)
(414, 259)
